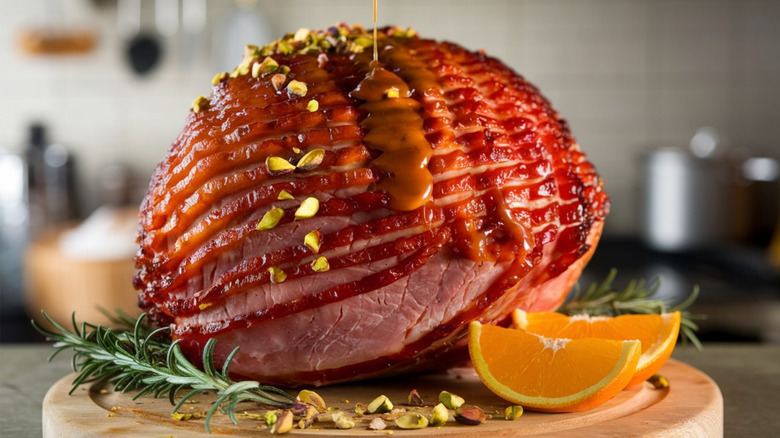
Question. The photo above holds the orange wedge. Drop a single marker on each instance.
(549, 374)
(658, 333)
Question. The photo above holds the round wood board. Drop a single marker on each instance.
(691, 407)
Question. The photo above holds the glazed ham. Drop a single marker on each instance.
(448, 190)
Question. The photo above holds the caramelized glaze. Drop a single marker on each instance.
(469, 161)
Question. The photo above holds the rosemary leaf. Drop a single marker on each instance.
(136, 356)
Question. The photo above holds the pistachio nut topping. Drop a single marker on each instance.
(414, 399)
(284, 195)
(311, 159)
(312, 398)
(343, 421)
(380, 404)
(277, 275)
(256, 70)
(278, 165)
(470, 415)
(270, 219)
(440, 415)
(340, 38)
(412, 420)
(218, 78)
(301, 34)
(450, 400)
(201, 103)
(320, 264)
(512, 413)
(297, 88)
(205, 306)
(270, 418)
(296, 150)
(268, 65)
(307, 209)
(360, 408)
(313, 106)
(246, 64)
(278, 80)
(658, 381)
(312, 241)
(283, 424)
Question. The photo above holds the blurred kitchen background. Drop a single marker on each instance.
(676, 103)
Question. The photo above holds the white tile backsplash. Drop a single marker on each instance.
(627, 74)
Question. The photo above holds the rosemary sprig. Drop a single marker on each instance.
(138, 357)
(637, 297)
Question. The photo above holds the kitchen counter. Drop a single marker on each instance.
(748, 376)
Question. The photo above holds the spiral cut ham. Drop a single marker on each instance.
(449, 191)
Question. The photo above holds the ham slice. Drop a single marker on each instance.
(449, 191)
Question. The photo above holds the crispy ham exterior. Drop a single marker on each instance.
(514, 212)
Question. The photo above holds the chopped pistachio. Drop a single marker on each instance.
(364, 41)
(277, 275)
(270, 418)
(470, 415)
(512, 413)
(285, 69)
(393, 93)
(380, 404)
(313, 106)
(284, 47)
(284, 423)
(256, 70)
(343, 421)
(360, 408)
(412, 420)
(277, 165)
(200, 103)
(269, 65)
(377, 424)
(414, 399)
(320, 264)
(301, 34)
(218, 78)
(278, 80)
(311, 159)
(296, 150)
(440, 415)
(313, 399)
(205, 306)
(311, 412)
(270, 219)
(312, 241)
(450, 400)
(658, 381)
(251, 50)
(243, 68)
(284, 195)
(307, 209)
(297, 88)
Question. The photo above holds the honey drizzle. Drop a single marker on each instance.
(394, 127)
(376, 54)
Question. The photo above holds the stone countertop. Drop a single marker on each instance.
(748, 376)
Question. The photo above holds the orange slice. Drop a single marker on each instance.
(551, 374)
(658, 333)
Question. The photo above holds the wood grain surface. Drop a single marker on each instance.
(691, 407)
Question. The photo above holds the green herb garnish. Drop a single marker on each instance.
(138, 357)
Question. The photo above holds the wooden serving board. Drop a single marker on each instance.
(691, 407)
